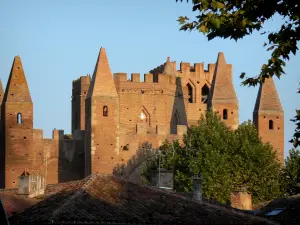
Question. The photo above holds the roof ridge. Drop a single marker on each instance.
(74, 196)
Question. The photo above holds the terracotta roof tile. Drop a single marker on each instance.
(105, 198)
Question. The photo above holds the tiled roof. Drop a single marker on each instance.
(15, 204)
(108, 199)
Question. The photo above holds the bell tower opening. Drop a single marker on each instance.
(190, 92)
(204, 93)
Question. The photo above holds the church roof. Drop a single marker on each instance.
(17, 89)
(267, 98)
(109, 199)
(222, 88)
(102, 83)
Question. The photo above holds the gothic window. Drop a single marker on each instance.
(271, 125)
(204, 93)
(19, 118)
(225, 114)
(105, 110)
(190, 91)
(142, 117)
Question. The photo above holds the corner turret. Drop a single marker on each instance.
(268, 117)
(102, 119)
(169, 68)
(222, 97)
(17, 109)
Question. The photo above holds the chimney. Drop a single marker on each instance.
(197, 188)
(241, 199)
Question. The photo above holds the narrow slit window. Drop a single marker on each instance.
(19, 118)
(105, 110)
(225, 114)
(271, 125)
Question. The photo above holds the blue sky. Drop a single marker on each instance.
(58, 42)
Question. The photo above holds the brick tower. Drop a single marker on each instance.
(102, 119)
(222, 97)
(268, 117)
(17, 109)
(2, 147)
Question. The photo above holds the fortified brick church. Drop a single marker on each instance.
(113, 116)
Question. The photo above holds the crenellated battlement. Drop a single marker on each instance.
(184, 67)
(79, 85)
(148, 78)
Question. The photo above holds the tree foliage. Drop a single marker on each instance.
(237, 19)
(291, 178)
(227, 159)
(296, 138)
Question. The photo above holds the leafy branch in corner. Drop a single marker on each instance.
(238, 18)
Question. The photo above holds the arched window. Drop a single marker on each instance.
(225, 114)
(204, 93)
(19, 118)
(271, 125)
(105, 110)
(190, 91)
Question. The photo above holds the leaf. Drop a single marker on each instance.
(220, 5)
(242, 75)
(215, 23)
(182, 19)
(203, 29)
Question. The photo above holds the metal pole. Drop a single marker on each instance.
(159, 155)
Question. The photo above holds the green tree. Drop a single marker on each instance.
(292, 172)
(237, 19)
(227, 159)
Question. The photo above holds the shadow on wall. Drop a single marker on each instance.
(132, 169)
(71, 160)
(179, 116)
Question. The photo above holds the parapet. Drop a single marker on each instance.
(38, 134)
(185, 67)
(58, 134)
(120, 77)
(85, 80)
(135, 77)
(148, 77)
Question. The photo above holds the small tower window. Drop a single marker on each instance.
(271, 125)
(105, 110)
(225, 114)
(19, 118)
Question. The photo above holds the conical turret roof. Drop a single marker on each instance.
(17, 89)
(267, 97)
(222, 88)
(102, 83)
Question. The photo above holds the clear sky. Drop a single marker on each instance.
(58, 42)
